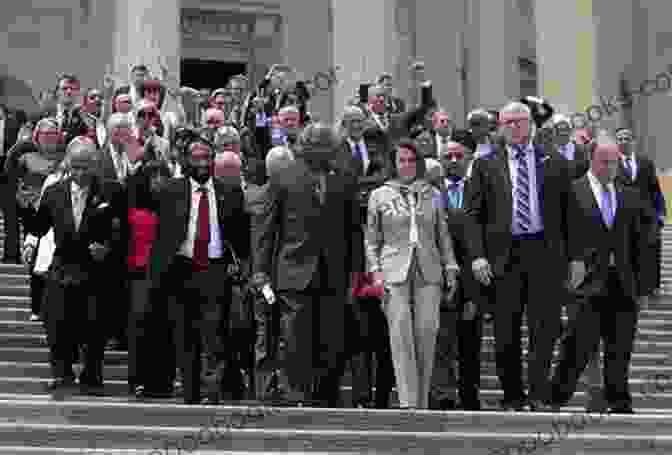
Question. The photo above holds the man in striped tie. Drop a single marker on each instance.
(517, 206)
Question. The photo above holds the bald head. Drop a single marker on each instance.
(276, 158)
(604, 159)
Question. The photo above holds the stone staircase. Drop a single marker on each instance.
(32, 422)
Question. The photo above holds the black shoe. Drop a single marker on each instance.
(539, 406)
(596, 401)
(60, 384)
(471, 405)
(513, 406)
(621, 409)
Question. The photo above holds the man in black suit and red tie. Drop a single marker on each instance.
(639, 172)
(306, 244)
(517, 208)
(607, 252)
(199, 220)
(81, 210)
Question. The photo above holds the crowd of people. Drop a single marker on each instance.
(238, 248)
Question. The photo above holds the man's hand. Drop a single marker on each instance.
(98, 251)
(27, 253)
(577, 273)
(469, 312)
(450, 277)
(259, 279)
(482, 272)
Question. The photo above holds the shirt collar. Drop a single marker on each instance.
(527, 148)
(596, 183)
(458, 183)
(195, 186)
(360, 142)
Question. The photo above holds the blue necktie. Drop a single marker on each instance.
(523, 210)
(607, 207)
(454, 196)
(628, 168)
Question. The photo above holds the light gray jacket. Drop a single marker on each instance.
(388, 233)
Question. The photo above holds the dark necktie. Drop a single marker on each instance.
(202, 240)
(523, 210)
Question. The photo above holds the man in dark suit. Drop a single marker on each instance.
(606, 249)
(517, 207)
(311, 270)
(11, 121)
(81, 211)
(393, 104)
(460, 330)
(578, 155)
(639, 172)
(368, 159)
(199, 220)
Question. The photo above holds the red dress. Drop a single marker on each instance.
(142, 226)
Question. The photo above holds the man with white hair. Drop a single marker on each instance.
(608, 256)
(578, 155)
(517, 205)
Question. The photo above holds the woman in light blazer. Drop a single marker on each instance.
(410, 253)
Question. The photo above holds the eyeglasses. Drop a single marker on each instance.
(625, 140)
(516, 122)
(450, 156)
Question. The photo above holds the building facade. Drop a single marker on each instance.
(577, 53)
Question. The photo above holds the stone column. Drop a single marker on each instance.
(146, 31)
(495, 46)
(566, 55)
(364, 44)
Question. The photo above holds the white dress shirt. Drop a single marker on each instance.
(568, 151)
(215, 245)
(439, 143)
(633, 164)
(78, 196)
(363, 150)
(598, 188)
(536, 222)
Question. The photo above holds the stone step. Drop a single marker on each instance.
(22, 354)
(476, 441)
(167, 415)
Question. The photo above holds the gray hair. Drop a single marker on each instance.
(276, 157)
(516, 107)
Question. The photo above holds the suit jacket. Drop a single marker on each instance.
(581, 162)
(14, 120)
(174, 209)
(458, 225)
(78, 124)
(490, 201)
(387, 239)
(72, 261)
(646, 183)
(294, 229)
(592, 242)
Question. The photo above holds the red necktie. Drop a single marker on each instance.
(202, 240)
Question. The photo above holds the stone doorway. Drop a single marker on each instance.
(208, 74)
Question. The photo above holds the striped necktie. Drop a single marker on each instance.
(523, 211)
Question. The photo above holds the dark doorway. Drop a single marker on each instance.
(210, 74)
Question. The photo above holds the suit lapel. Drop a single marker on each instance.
(183, 207)
(589, 197)
(69, 217)
(619, 204)
(502, 156)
